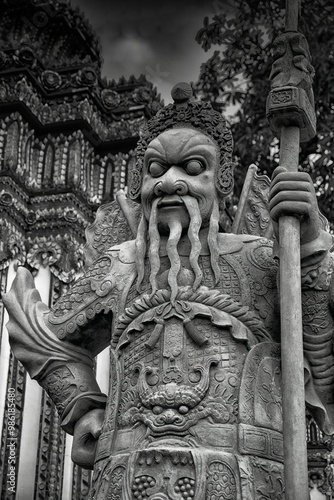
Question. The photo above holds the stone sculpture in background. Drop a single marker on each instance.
(191, 315)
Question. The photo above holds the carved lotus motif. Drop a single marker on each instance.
(51, 80)
(70, 215)
(87, 76)
(6, 199)
(31, 217)
(26, 55)
(141, 96)
(110, 99)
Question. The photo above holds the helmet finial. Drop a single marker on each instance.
(181, 92)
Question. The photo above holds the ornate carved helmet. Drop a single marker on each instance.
(185, 112)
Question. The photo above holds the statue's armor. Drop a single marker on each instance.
(195, 406)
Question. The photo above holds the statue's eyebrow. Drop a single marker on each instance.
(200, 149)
(155, 154)
(189, 148)
(157, 148)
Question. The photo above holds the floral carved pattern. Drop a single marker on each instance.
(58, 385)
(268, 480)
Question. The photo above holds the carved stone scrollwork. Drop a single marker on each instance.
(322, 479)
(81, 482)
(225, 178)
(12, 89)
(62, 254)
(52, 439)
(109, 228)
(43, 252)
(111, 479)
(49, 469)
(116, 482)
(253, 216)
(99, 293)
(316, 478)
(262, 380)
(12, 245)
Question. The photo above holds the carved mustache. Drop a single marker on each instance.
(172, 193)
(170, 200)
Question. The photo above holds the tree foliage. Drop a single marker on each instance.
(238, 75)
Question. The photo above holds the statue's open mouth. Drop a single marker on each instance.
(170, 201)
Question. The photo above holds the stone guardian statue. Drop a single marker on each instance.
(191, 316)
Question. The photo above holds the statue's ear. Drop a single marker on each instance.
(225, 178)
(136, 174)
(135, 180)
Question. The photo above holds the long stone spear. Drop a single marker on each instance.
(291, 114)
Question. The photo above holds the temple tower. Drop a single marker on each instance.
(67, 140)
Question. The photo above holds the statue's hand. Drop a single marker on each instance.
(292, 193)
(86, 433)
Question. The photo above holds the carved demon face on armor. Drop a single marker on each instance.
(179, 164)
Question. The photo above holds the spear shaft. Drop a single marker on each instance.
(291, 115)
(291, 15)
(294, 428)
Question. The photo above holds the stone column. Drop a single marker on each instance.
(31, 413)
(102, 370)
(68, 470)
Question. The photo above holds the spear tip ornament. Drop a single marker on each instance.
(290, 101)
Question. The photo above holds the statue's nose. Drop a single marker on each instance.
(170, 185)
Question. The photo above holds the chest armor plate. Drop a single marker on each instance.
(195, 403)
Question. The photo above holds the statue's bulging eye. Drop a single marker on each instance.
(156, 169)
(194, 167)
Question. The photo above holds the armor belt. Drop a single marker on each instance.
(235, 438)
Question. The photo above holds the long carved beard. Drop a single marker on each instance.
(175, 233)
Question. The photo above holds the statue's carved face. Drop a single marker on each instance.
(179, 162)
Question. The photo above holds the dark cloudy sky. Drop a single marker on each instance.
(154, 37)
